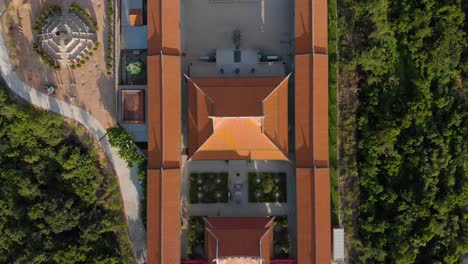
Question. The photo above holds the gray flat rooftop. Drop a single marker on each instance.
(207, 25)
(134, 38)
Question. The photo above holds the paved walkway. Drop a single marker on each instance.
(129, 186)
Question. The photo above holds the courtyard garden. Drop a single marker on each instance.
(209, 188)
(281, 241)
(196, 238)
(267, 187)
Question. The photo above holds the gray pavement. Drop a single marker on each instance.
(130, 189)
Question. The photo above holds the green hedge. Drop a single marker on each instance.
(128, 151)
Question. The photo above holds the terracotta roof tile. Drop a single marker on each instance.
(237, 100)
(164, 118)
(171, 93)
(320, 110)
(239, 237)
(275, 112)
(154, 27)
(163, 27)
(153, 216)
(313, 216)
(170, 218)
(320, 15)
(304, 111)
(200, 125)
(163, 216)
(303, 26)
(231, 100)
(239, 260)
(322, 215)
(235, 138)
(154, 90)
(305, 216)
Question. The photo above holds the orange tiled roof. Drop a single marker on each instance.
(133, 105)
(239, 260)
(164, 132)
(136, 18)
(163, 27)
(311, 127)
(163, 216)
(238, 118)
(239, 237)
(164, 115)
(313, 216)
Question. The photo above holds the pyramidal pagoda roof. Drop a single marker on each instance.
(238, 118)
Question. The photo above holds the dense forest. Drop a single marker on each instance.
(404, 129)
(57, 205)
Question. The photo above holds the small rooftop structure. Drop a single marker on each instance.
(135, 17)
(338, 245)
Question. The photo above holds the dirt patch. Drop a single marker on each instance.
(90, 85)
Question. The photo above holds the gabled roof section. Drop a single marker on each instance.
(164, 111)
(311, 128)
(238, 138)
(238, 118)
(163, 27)
(311, 34)
(313, 216)
(136, 18)
(200, 110)
(275, 112)
(239, 238)
(236, 97)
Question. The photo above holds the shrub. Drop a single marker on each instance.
(73, 66)
(82, 61)
(78, 65)
(128, 151)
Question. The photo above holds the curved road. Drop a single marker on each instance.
(129, 187)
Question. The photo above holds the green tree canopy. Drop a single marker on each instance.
(54, 195)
